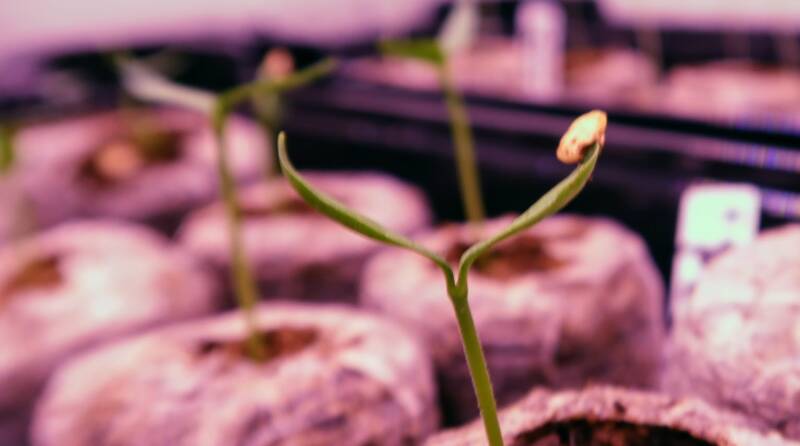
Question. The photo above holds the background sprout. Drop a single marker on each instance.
(269, 108)
(148, 85)
(431, 52)
(6, 148)
(457, 282)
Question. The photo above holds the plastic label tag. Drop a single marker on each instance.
(712, 218)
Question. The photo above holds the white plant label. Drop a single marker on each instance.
(712, 218)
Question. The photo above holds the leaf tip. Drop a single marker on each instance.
(585, 131)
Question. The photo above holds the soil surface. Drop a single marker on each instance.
(280, 342)
(123, 156)
(42, 272)
(522, 255)
(582, 432)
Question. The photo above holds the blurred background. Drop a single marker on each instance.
(703, 95)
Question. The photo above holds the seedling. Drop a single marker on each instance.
(147, 85)
(431, 52)
(581, 144)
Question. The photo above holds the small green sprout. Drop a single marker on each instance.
(269, 109)
(150, 86)
(7, 155)
(430, 51)
(457, 280)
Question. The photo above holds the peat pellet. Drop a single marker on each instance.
(150, 165)
(570, 301)
(610, 416)
(297, 252)
(77, 286)
(736, 339)
(16, 218)
(331, 376)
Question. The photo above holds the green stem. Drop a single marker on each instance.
(270, 166)
(478, 370)
(6, 148)
(469, 180)
(243, 283)
(267, 109)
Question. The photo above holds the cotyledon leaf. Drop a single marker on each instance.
(427, 50)
(350, 218)
(295, 80)
(550, 203)
(147, 84)
(235, 96)
(461, 27)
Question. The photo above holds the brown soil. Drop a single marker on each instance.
(287, 206)
(519, 256)
(42, 272)
(583, 432)
(123, 156)
(581, 58)
(281, 342)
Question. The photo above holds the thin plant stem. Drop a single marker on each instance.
(267, 110)
(149, 86)
(6, 148)
(468, 177)
(243, 283)
(478, 370)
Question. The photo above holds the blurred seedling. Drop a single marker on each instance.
(148, 85)
(269, 109)
(457, 34)
(581, 144)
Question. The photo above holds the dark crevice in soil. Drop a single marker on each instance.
(122, 156)
(38, 273)
(279, 343)
(516, 257)
(582, 432)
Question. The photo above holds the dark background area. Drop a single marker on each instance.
(343, 123)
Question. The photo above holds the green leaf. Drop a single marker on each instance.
(7, 154)
(427, 50)
(228, 100)
(461, 27)
(148, 85)
(300, 78)
(350, 218)
(550, 203)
